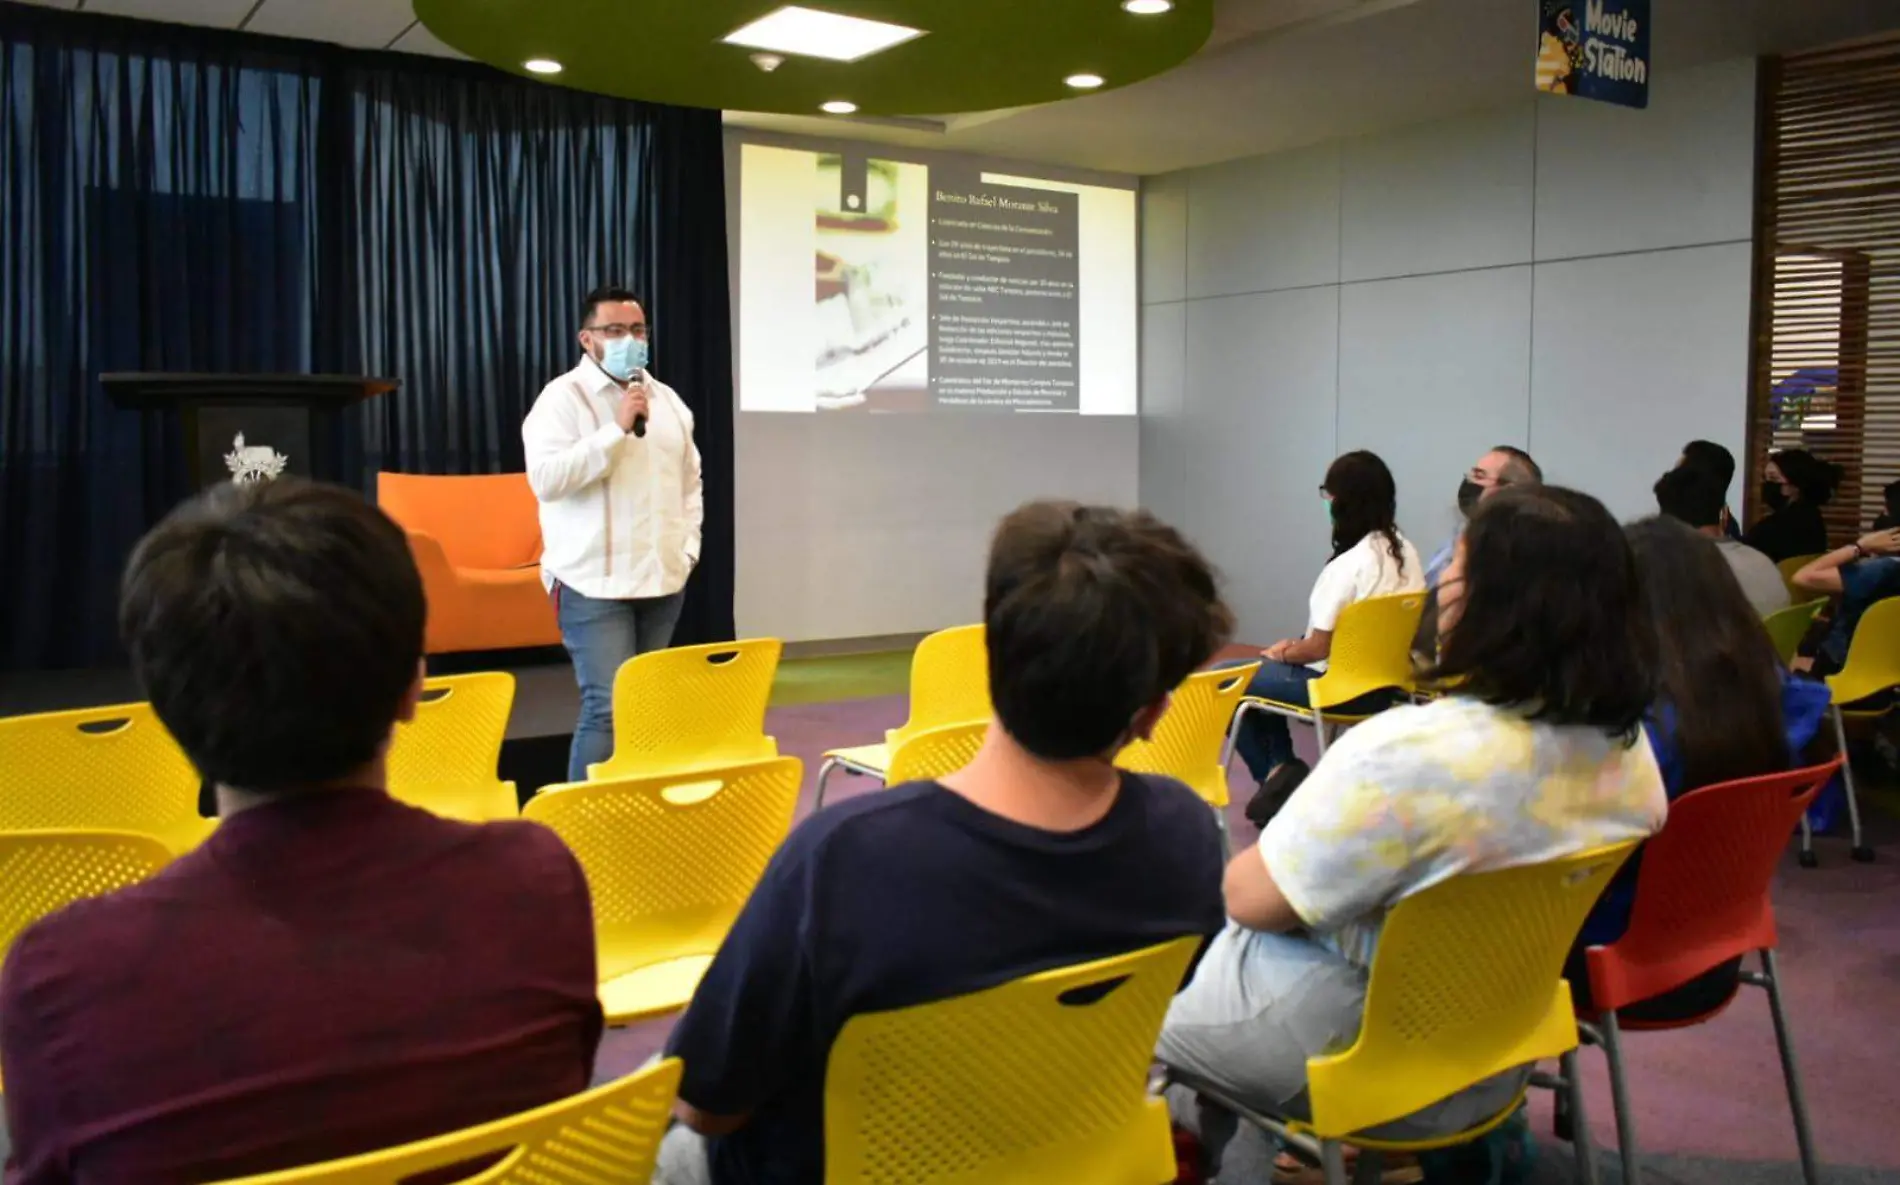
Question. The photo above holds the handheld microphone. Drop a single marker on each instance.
(640, 421)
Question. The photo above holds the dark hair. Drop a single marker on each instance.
(1890, 494)
(1690, 494)
(276, 628)
(1718, 693)
(1712, 459)
(1815, 478)
(1552, 622)
(1365, 499)
(1520, 470)
(1093, 614)
(606, 294)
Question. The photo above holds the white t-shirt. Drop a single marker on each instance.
(1363, 570)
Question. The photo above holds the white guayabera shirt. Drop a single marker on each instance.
(620, 514)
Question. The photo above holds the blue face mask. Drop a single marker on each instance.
(624, 357)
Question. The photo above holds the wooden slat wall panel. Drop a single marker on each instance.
(1827, 291)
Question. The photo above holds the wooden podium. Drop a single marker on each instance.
(247, 426)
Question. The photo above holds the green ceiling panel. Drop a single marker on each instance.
(977, 55)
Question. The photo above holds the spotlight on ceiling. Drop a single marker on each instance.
(1147, 7)
(1084, 82)
(812, 33)
(541, 66)
(839, 107)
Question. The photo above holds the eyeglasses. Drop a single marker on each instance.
(617, 330)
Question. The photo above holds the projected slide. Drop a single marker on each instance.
(870, 284)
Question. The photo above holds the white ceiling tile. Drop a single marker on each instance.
(367, 24)
(224, 14)
(420, 40)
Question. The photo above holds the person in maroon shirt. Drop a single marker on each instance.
(333, 972)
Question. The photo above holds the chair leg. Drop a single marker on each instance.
(1581, 1143)
(1620, 1101)
(1226, 840)
(1860, 851)
(1233, 736)
(1807, 857)
(1797, 1103)
(824, 775)
(1332, 1159)
(1319, 732)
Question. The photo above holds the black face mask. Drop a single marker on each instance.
(1774, 495)
(1468, 494)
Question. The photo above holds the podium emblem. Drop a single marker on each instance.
(253, 463)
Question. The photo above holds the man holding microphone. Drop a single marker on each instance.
(612, 462)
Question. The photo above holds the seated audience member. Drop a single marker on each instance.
(1039, 854)
(1890, 499)
(1725, 708)
(1370, 559)
(1499, 469)
(1860, 574)
(1795, 486)
(1691, 497)
(1719, 464)
(332, 972)
(1534, 752)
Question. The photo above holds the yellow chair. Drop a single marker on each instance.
(936, 752)
(670, 859)
(1788, 568)
(1188, 743)
(604, 1136)
(445, 759)
(42, 871)
(949, 684)
(1041, 1081)
(113, 768)
(692, 707)
(1466, 983)
(1372, 651)
(1872, 668)
(1786, 627)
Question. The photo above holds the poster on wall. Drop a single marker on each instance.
(1594, 49)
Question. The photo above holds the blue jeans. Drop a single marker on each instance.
(1266, 741)
(599, 636)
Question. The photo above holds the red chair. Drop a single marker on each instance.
(1702, 901)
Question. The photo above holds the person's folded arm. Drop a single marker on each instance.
(564, 455)
(1254, 899)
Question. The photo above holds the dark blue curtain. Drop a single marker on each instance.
(192, 200)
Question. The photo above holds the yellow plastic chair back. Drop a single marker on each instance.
(1188, 741)
(605, 1136)
(929, 755)
(949, 682)
(1372, 650)
(42, 871)
(112, 768)
(1786, 627)
(1467, 982)
(1041, 1081)
(1788, 568)
(1873, 657)
(692, 707)
(670, 859)
(445, 759)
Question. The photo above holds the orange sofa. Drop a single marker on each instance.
(477, 541)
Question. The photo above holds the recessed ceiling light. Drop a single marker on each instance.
(839, 107)
(1084, 82)
(811, 33)
(541, 66)
(1147, 7)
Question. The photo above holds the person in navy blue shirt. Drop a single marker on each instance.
(1039, 854)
